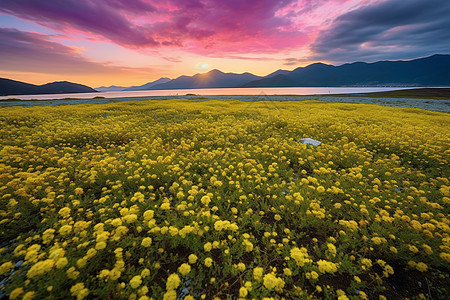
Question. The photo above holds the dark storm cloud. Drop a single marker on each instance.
(391, 29)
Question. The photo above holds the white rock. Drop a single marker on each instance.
(311, 142)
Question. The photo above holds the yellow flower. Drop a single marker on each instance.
(192, 259)
(376, 240)
(208, 262)
(78, 290)
(5, 267)
(207, 247)
(28, 296)
(61, 263)
(422, 267)
(131, 218)
(81, 263)
(320, 189)
(366, 263)
(114, 274)
(136, 281)
(269, 281)
(205, 200)
(148, 215)
(47, 236)
(287, 272)
(170, 295)
(241, 267)
(145, 273)
(445, 256)
(314, 275)
(327, 266)
(184, 269)
(427, 249)
(248, 245)
(116, 222)
(65, 230)
(165, 206)
(40, 268)
(72, 273)
(100, 245)
(331, 249)
(243, 292)
(413, 249)
(173, 281)
(258, 273)
(300, 256)
(15, 293)
(103, 273)
(272, 282)
(146, 242)
(64, 212)
(79, 191)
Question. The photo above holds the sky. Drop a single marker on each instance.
(132, 42)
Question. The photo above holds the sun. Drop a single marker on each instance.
(202, 66)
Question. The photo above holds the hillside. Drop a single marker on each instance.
(13, 87)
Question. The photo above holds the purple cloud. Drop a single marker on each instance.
(236, 26)
(34, 52)
(105, 18)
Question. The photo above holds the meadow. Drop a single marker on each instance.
(180, 199)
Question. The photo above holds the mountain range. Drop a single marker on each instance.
(429, 71)
(425, 72)
(13, 87)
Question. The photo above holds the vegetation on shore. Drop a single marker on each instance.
(422, 93)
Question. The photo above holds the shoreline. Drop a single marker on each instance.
(433, 99)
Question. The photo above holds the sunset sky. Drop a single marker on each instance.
(131, 42)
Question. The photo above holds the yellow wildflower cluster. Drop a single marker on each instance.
(184, 199)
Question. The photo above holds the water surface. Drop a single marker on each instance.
(212, 92)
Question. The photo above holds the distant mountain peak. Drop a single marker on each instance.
(216, 71)
(148, 85)
(211, 79)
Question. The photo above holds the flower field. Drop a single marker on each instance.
(219, 200)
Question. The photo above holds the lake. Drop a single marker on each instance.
(212, 92)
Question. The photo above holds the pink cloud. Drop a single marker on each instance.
(103, 18)
(200, 26)
(34, 52)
